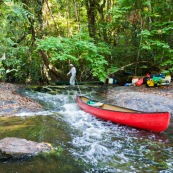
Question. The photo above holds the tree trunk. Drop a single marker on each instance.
(91, 13)
(52, 72)
(139, 49)
(56, 27)
(76, 14)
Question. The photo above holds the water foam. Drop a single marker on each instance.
(93, 141)
(105, 146)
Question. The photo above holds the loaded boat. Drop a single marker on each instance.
(154, 121)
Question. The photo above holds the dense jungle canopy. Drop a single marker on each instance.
(39, 38)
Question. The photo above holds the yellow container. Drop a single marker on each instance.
(150, 83)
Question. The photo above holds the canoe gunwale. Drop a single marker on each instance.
(135, 111)
(153, 121)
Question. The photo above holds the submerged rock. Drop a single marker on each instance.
(19, 148)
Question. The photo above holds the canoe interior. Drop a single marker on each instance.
(109, 107)
(155, 121)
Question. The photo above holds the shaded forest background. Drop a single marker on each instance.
(39, 38)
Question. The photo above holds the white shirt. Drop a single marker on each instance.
(72, 71)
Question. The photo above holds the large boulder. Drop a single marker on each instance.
(19, 148)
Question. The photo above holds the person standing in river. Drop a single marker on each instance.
(73, 74)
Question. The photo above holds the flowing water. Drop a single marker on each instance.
(83, 143)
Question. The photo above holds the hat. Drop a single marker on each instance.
(71, 65)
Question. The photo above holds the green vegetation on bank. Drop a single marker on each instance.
(40, 38)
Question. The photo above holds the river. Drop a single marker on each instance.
(83, 143)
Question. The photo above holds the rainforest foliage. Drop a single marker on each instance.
(39, 38)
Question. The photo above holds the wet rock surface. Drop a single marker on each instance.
(142, 98)
(139, 98)
(17, 148)
(11, 102)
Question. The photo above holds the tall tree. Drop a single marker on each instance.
(91, 6)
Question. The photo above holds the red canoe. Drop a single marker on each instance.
(154, 121)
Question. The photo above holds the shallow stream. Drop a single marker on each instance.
(83, 143)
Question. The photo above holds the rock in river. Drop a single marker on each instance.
(19, 148)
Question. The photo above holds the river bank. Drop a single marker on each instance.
(143, 98)
(11, 102)
(140, 98)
